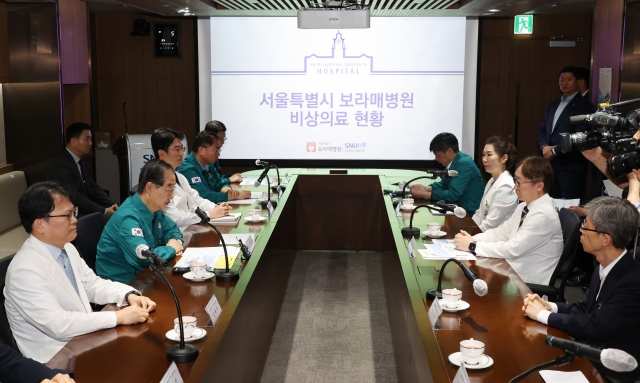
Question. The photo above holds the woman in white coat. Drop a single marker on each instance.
(499, 200)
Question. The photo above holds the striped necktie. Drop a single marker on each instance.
(69, 270)
(523, 216)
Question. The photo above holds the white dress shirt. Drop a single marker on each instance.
(44, 310)
(533, 250)
(498, 202)
(183, 205)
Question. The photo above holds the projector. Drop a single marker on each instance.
(334, 15)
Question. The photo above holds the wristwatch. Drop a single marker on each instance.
(472, 248)
(126, 297)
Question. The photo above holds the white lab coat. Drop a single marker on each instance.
(532, 251)
(43, 308)
(183, 205)
(498, 202)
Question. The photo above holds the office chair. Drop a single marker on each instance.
(5, 329)
(89, 231)
(570, 224)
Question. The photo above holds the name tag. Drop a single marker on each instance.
(172, 375)
(434, 312)
(270, 208)
(411, 247)
(213, 309)
(461, 376)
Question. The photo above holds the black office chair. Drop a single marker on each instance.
(570, 224)
(5, 329)
(89, 231)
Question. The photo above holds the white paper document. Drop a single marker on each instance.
(232, 239)
(249, 201)
(444, 249)
(612, 189)
(565, 203)
(551, 376)
(209, 255)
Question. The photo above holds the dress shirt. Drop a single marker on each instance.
(44, 310)
(183, 205)
(498, 202)
(564, 101)
(533, 250)
(76, 159)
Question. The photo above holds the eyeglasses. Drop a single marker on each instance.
(582, 227)
(171, 191)
(223, 139)
(217, 150)
(179, 148)
(70, 216)
(520, 183)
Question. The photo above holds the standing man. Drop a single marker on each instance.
(466, 188)
(197, 170)
(218, 128)
(608, 316)
(71, 171)
(49, 288)
(531, 240)
(570, 169)
(582, 75)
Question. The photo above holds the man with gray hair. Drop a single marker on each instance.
(608, 316)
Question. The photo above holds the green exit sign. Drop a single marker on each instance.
(523, 25)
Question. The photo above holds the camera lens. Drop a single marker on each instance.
(623, 164)
(579, 141)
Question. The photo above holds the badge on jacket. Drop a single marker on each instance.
(137, 232)
(195, 180)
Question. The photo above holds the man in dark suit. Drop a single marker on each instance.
(71, 171)
(569, 168)
(15, 368)
(608, 316)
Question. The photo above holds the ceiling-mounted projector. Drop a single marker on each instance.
(334, 14)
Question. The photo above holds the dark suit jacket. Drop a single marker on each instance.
(564, 161)
(88, 197)
(15, 368)
(611, 321)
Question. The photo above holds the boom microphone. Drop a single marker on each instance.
(611, 358)
(458, 211)
(264, 164)
(264, 174)
(444, 173)
(479, 286)
(143, 252)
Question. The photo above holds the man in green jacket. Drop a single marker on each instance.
(140, 224)
(196, 168)
(220, 130)
(466, 188)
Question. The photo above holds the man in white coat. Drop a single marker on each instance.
(49, 288)
(531, 240)
(167, 146)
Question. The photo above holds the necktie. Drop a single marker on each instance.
(524, 214)
(68, 270)
(83, 174)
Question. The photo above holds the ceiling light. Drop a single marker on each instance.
(494, 10)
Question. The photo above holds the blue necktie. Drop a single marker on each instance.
(68, 270)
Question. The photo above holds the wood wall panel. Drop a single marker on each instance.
(157, 91)
(607, 47)
(77, 103)
(4, 44)
(74, 51)
(507, 59)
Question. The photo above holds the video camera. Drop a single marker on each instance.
(613, 133)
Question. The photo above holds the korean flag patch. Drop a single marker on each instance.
(195, 180)
(137, 232)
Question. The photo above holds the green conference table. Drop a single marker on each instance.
(321, 210)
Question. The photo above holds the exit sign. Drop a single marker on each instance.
(523, 25)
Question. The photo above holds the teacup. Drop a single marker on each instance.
(434, 228)
(188, 324)
(451, 298)
(471, 351)
(407, 203)
(255, 214)
(199, 269)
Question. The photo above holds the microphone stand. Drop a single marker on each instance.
(412, 231)
(404, 189)
(437, 293)
(222, 276)
(266, 202)
(179, 353)
(559, 361)
(283, 188)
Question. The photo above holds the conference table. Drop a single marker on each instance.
(325, 209)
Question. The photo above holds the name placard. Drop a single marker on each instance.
(434, 312)
(461, 375)
(172, 375)
(411, 247)
(213, 309)
(270, 208)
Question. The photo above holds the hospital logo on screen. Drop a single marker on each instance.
(311, 147)
(355, 147)
(339, 63)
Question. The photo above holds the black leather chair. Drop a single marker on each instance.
(570, 224)
(89, 231)
(5, 329)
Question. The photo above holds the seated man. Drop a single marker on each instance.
(608, 316)
(49, 288)
(15, 368)
(71, 171)
(167, 146)
(140, 224)
(466, 188)
(196, 169)
(218, 128)
(531, 240)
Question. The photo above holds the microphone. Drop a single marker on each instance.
(143, 252)
(245, 251)
(264, 164)
(611, 358)
(264, 174)
(225, 275)
(479, 286)
(444, 173)
(457, 211)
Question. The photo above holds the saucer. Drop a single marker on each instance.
(441, 234)
(262, 218)
(407, 207)
(198, 333)
(190, 276)
(485, 361)
(462, 305)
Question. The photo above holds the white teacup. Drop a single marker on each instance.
(401, 185)
(199, 269)
(451, 298)
(471, 351)
(255, 214)
(407, 203)
(434, 228)
(188, 323)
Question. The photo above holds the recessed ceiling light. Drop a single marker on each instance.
(494, 10)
